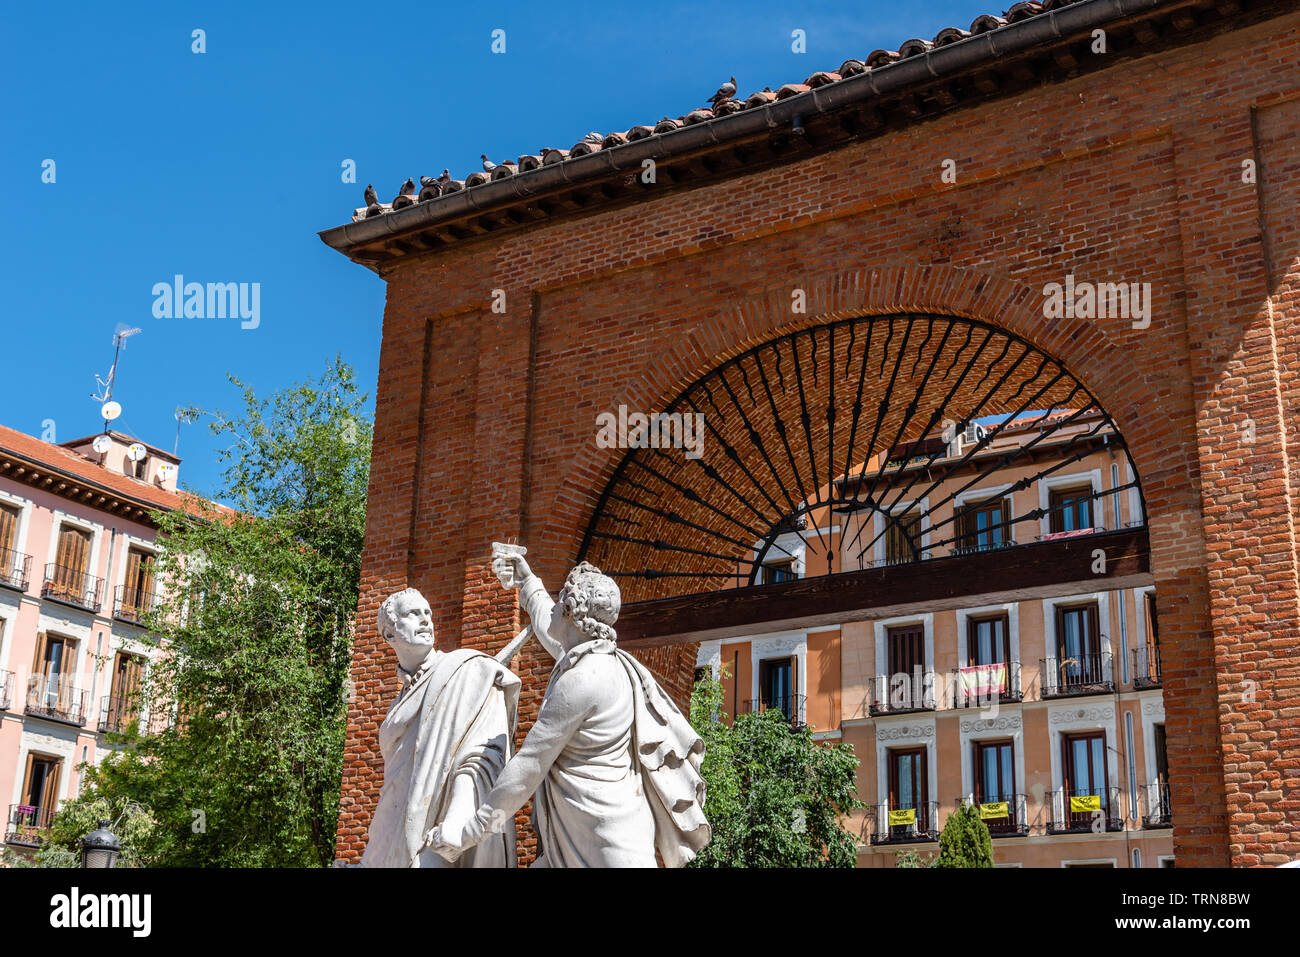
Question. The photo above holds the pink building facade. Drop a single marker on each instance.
(77, 564)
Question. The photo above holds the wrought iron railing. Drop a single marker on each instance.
(1080, 811)
(1005, 816)
(15, 569)
(1069, 675)
(1153, 801)
(117, 712)
(133, 604)
(55, 696)
(902, 693)
(978, 686)
(1146, 667)
(917, 823)
(791, 705)
(72, 586)
(27, 825)
(964, 546)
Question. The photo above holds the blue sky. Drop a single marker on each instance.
(223, 166)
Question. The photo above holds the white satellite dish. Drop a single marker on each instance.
(111, 410)
(101, 444)
(136, 452)
(165, 471)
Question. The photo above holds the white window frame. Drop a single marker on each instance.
(973, 730)
(25, 508)
(1112, 861)
(1050, 644)
(900, 732)
(1091, 477)
(879, 523)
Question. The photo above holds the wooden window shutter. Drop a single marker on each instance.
(73, 549)
(50, 793)
(8, 527)
(27, 781)
(38, 659)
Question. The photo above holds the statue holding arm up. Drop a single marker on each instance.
(612, 764)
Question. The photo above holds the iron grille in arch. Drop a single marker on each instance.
(861, 442)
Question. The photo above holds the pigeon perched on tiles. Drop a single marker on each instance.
(488, 165)
(408, 188)
(371, 197)
(428, 181)
(725, 92)
(445, 177)
(593, 138)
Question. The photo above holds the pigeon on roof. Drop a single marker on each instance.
(488, 165)
(594, 138)
(408, 188)
(428, 181)
(725, 92)
(371, 197)
(445, 176)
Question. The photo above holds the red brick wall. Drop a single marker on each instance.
(1133, 174)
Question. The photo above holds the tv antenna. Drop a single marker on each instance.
(105, 393)
(184, 415)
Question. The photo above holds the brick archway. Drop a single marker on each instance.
(1096, 353)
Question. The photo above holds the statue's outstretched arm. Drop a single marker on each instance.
(538, 604)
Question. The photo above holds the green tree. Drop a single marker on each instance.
(255, 628)
(776, 797)
(965, 840)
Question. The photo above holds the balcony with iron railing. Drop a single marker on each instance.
(915, 824)
(792, 706)
(6, 689)
(966, 546)
(1154, 807)
(15, 569)
(978, 686)
(72, 586)
(133, 605)
(57, 698)
(27, 825)
(1083, 811)
(118, 712)
(1005, 817)
(1077, 675)
(903, 693)
(1146, 667)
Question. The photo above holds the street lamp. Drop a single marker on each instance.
(99, 848)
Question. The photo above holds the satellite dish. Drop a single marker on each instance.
(111, 410)
(101, 444)
(136, 452)
(165, 471)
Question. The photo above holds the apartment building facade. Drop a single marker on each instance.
(1045, 713)
(77, 582)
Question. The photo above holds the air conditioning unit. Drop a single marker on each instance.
(968, 436)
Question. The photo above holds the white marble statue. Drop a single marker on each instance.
(611, 763)
(444, 742)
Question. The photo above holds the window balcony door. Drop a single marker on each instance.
(776, 685)
(995, 784)
(1079, 646)
(908, 791)
(1086, 777)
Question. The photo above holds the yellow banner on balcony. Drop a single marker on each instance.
(1085, 803)
(994, 809)
(897, 818)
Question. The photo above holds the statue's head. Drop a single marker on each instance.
(406, 623)
(587, 607)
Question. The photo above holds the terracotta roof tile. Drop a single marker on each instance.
(877, 59)
(70, 463)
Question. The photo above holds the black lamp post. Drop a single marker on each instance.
(99, 848)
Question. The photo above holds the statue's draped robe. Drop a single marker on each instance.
(456, 717)
(626, 779)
